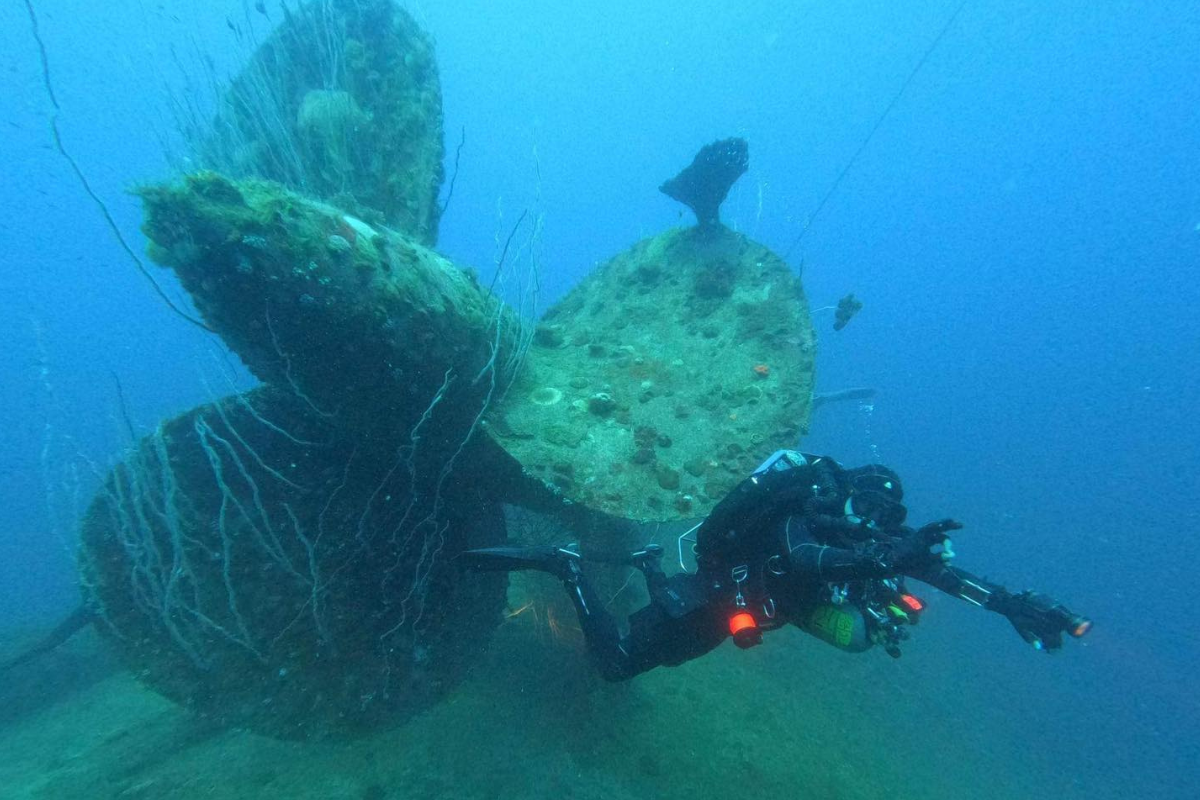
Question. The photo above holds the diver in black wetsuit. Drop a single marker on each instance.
(801, 541)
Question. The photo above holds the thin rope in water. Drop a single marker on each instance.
(874, 128)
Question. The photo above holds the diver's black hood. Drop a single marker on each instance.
(874, 478)
(874, 494)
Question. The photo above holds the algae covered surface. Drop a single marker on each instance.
(263, 571)
(285, 559)
(648, 392)
(664, 377)
(342, 100)
(362, 320)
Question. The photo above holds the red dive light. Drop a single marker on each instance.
(912, 604)
(745, 630)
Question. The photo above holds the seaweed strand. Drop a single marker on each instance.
(83, 181)
(457, 154)
(504, 252)
(124, 407)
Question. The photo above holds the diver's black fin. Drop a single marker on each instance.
(703, 184)
(559, 561)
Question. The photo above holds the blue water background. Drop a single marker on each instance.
(1024, 230)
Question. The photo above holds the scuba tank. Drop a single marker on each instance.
(842, 626)
(855, 627)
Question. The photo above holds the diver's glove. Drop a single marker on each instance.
(927, 546)
(1039, 618)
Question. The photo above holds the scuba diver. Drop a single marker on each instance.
(801, 541)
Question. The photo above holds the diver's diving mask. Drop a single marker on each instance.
(875, 510)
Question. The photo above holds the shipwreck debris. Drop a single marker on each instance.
(847, 307)
(703, 185)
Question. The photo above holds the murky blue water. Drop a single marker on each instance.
(1023, 227)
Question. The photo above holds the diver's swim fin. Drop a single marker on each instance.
(562, 562)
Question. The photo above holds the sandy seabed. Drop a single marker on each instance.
(791, 719)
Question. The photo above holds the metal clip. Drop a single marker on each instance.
(739, 574)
